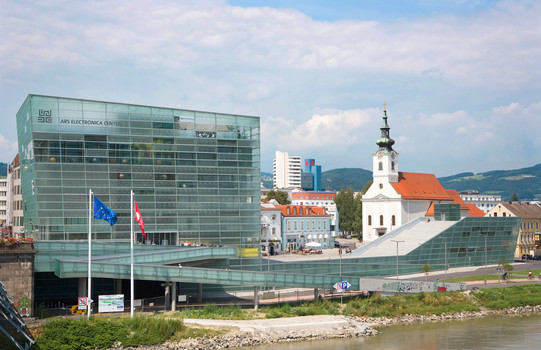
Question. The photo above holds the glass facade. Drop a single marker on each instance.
(195, 175)
(472, 241)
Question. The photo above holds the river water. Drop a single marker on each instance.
(509, 332)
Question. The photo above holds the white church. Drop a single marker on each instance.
(396, 197)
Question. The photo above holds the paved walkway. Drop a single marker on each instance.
(273, 325)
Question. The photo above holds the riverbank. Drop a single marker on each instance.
(215, 327)
(307, 328)
(238, 334)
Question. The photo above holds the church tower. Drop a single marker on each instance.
(385, 160)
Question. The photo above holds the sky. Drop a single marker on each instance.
(461, 79)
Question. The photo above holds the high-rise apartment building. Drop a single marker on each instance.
(286, 171)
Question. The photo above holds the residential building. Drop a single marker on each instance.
(395, 197)
(3, 200)
(271, 228)
(320, 199)
(485, 202)
(530, 227)
(15, 210)
(302, 224)
(286, 171)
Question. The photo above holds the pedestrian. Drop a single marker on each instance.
(179, 265)
(530, 275)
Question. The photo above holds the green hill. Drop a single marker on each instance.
(525, 182)
(333, 180)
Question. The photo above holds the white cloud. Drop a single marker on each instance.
(8, 149)
(495, 45)
(337, 129)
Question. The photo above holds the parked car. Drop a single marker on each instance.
(527, 257)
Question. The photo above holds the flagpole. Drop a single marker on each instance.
(89, 303)
(131, 247)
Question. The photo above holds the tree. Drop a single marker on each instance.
(514, 198)
(345, 204)
(350, 209)
(426, 270)
(281, 197)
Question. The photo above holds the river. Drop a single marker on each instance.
(498, 332)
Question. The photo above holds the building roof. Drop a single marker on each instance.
(302, 210)
(472, 209)
(523, 210)
(420, 186)
(313, 194)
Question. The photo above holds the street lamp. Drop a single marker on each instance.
(392, 240)
(486, 266)
(340, 254)
(445, 254)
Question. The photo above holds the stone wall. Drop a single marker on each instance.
(17, 275)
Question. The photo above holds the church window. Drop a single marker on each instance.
(392, 165)
(380, 166)
(381, 186)
(393, 219)
(381, 220)
(369, 220)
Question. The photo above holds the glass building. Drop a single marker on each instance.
(195, 175)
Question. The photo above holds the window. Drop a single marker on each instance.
(380, 166)
(288, 225)
(324, 224)
(495, 214)
(295, 225)
(392, 165)
(393, 219)
(503, 214)
(381, 220)
(274, 230)
(302, 225)
(369, 220)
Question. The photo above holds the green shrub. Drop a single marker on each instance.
(102, 333)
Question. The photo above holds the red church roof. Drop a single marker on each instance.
(420, 186)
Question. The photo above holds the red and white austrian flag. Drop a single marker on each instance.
(139, 219)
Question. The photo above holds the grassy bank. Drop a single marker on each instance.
(378, 306)
(105, 332)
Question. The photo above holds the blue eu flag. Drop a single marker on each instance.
(102, 212)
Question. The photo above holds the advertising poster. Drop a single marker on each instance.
(111, 303)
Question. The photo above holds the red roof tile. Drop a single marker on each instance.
(302, 210)
(472, 209)
(420, 186)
